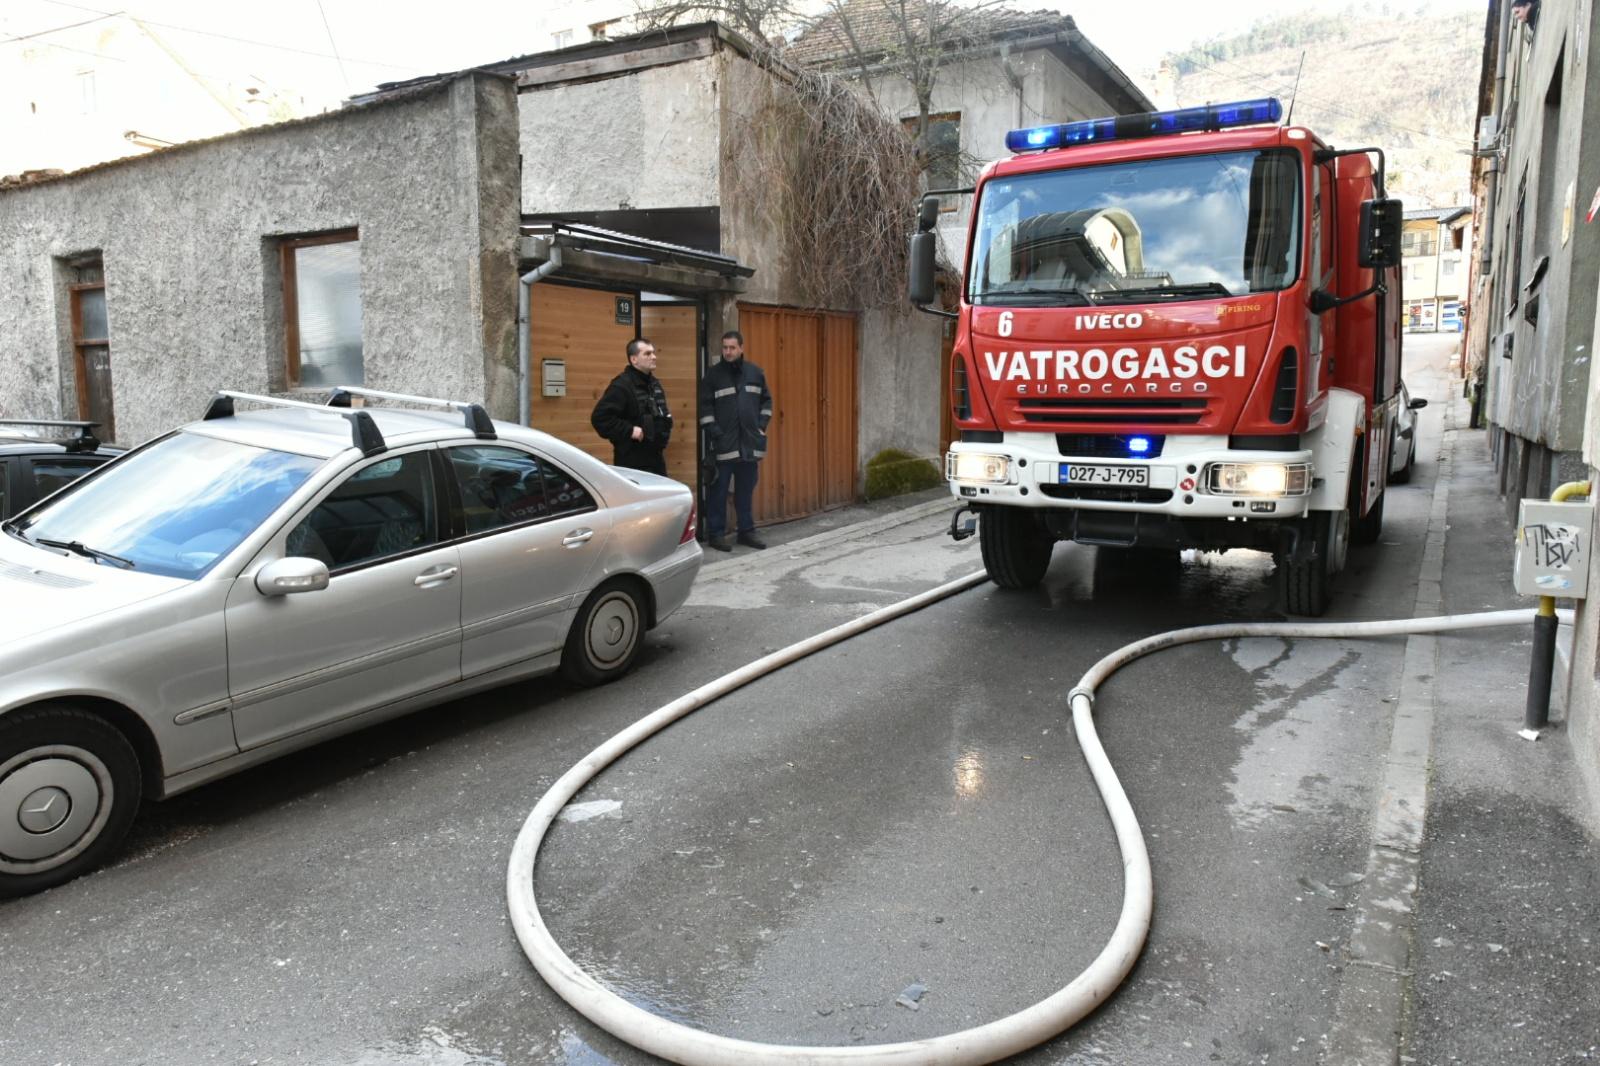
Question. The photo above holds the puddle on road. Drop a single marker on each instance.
(1305, 741)
(433, 1046)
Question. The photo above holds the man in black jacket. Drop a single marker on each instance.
(735, 408)
(633, 413)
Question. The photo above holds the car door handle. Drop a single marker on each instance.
(577, 538)
(435, 575)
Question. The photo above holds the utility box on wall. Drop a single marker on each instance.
(554, 375)
(1553, 549)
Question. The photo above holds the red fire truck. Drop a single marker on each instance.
(1177, 329)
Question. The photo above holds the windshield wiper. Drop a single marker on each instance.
(1168, 292)
(1068, 297)
(83, 549)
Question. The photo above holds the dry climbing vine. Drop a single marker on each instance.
(822, 168)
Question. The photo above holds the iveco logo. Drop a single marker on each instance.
(1129, 320)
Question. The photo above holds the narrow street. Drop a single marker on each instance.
(909, 808)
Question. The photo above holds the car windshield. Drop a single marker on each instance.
(174, 508)
(1149, 231)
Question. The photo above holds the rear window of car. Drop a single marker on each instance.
(505, 487)
(175, 507)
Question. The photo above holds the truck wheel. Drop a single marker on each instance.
(1306, 582)
(1016, 548)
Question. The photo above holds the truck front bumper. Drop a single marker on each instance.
(1192, 477)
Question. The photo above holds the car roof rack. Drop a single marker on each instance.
(85, 441)
(363, 430)
(477, 419)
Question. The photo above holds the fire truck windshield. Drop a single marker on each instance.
(1145, 231)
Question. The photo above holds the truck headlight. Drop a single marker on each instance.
(1259, 479)
(974, 466)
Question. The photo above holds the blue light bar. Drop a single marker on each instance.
(1138, 445)
(1146, 124)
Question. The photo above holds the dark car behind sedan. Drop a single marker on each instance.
(37, 458)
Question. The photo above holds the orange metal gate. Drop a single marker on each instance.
(810, 361)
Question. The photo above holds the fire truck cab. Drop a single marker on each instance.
(1176, 330)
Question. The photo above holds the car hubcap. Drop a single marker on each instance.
(54, 801)
(613, 628)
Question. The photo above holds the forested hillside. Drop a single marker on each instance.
(1404, 80)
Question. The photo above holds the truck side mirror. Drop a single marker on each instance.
(919, 272)
(1381, 222)
(928, 214)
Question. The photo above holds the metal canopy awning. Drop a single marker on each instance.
(596, 254)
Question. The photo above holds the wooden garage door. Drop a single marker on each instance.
(810, 361)
(580, 327)
(675, 328)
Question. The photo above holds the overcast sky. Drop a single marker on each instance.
(294, 42)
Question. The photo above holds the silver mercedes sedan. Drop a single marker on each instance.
(265, 579)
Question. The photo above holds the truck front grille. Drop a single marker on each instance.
(1149, 411)
(1108, 445)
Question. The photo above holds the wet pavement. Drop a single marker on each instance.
(895, 838)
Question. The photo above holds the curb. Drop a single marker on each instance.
(1370, 1014)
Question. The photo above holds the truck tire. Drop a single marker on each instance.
(1306, 583)
(1016, 548)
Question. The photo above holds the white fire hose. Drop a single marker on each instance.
(991, 1041)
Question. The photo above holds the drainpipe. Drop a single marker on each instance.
(524, 341)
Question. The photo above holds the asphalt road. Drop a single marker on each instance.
(909, 808)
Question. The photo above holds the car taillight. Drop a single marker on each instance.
(689, 526)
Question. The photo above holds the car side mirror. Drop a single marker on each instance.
(920, 270)
(281, 577)
(1417, 405)
(1379, 244)
(928, 214)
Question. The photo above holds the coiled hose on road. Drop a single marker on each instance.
(991, 1041)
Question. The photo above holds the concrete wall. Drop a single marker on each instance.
(900, 383)
(188, 239)
(648, 139)
(1540, 394)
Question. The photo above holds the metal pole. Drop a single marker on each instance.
(1541, 669)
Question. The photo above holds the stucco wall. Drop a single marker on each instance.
(1541, 393)
(1582, 701)
(187, 239)
(646, 139)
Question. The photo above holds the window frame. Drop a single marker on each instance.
(291, 298)
(81, 343)
(457, 506)
(947, 204)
